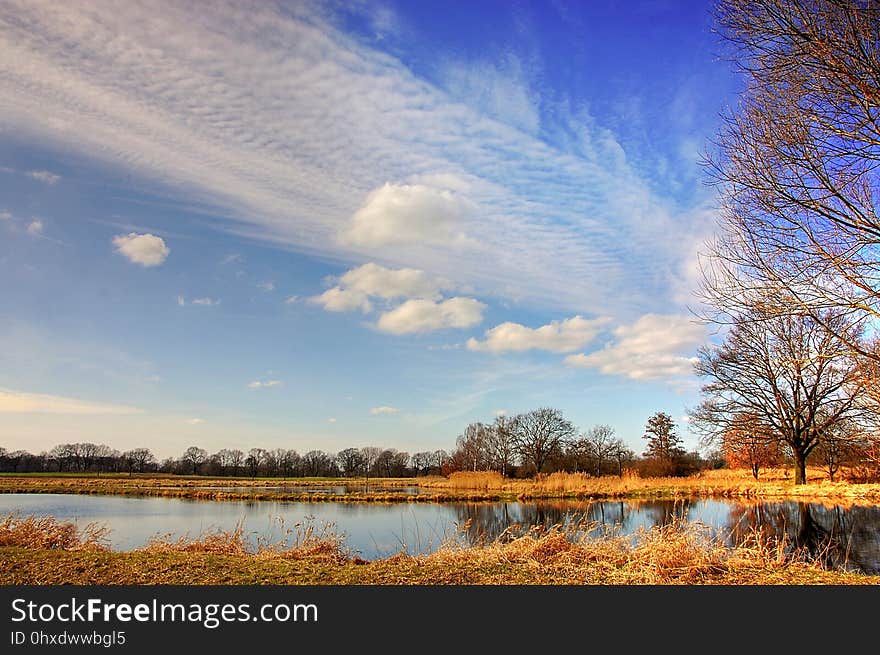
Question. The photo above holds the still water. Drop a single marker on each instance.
(844, 536)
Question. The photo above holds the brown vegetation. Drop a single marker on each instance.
(672, 554)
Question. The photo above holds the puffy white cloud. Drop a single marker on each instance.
(408, 213)
(44, 176)
(144, 249)
(422, 315)
(384, 409)
(260, 384)
(375, 280)
(558, 336)
(342, 300)
(35, 227)
(654, 347)
(19, 402)
(357, 286)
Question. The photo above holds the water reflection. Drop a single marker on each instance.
(839, 536)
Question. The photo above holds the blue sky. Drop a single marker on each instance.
(316, 225)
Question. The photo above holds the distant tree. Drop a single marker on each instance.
(351, 462)
(471, 447)
(542, 435)
(601, 445)
(194, 457)
(622, 455)
(750, 443)
(500, 444)
(663, 442)
(138, 459)
(370, 455)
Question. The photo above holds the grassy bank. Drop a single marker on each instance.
(463, 486)
(46, 552)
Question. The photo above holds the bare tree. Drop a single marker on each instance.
(542, 435)
(472, 446)
(194, 457)
(138, 459)
(371, 454)
(351, 461)
(500, 444)
(788, 372)
(797, 164)
(601, 446)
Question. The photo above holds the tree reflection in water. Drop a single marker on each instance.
(838, 537)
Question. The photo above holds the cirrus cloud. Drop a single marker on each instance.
(20, 402)
(384, 409)
(144, 249)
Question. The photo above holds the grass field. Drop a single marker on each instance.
(469, 486)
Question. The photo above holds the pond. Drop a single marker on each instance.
(842, 536)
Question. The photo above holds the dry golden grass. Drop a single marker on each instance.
(47, 532)
(465, 486)
(678, 553)
(775, 483)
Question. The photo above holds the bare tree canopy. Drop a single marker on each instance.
(542, 434)
(788, 373)
(796, 164)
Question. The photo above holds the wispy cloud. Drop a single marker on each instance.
(206, 302)
(301, 133)
(384, 409)
(21, 402)
(264, 384)
(44, 176)
(195, 421)
(35, 227)
(266, 286)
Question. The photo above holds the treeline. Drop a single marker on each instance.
(523, 445)
(88, 457)
(538, 441)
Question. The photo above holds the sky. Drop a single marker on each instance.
(321, 225)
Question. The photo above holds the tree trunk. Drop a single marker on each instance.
(800, 467)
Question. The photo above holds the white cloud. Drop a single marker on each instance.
(331, 420)
(44, 176)
(260, 384)
(422, 315)
(357, 286)
(19, 402)
(384, 409)
(234, 258)
(144, 249)
(395, 214)
(267, 286)
(208, 302)
(558, 336)
(291, 300)
(181, 301)
(35, 227)
(195, 421)
(342, 300)
(654, 347)
(5, 216)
